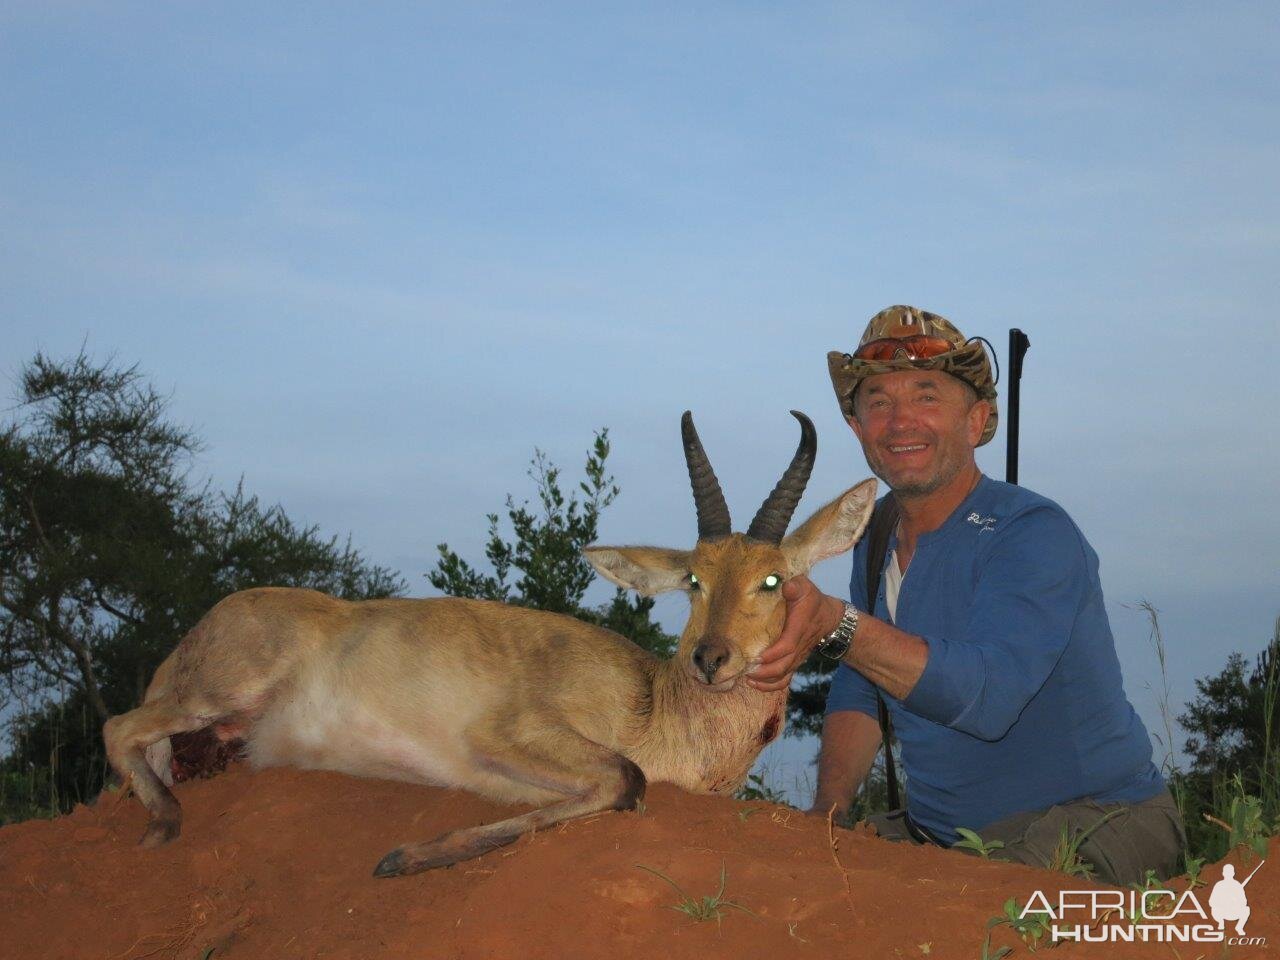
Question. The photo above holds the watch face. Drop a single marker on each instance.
(836, 644)
(834, 647)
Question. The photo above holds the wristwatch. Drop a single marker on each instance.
(836, 643)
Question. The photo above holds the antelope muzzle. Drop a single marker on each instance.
(709, 656)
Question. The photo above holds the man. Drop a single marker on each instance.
(988, 639)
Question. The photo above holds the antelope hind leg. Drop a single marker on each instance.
(127, 739)
(591, 777)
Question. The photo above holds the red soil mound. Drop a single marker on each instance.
(278, 864)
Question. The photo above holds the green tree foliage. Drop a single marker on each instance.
(1234, 745)
(108, 555)
(550, 572)
(1232, 722)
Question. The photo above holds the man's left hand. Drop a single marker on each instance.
(811, 615)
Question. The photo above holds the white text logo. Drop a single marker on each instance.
(1156, 916)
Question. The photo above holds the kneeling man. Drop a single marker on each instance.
(988, 639)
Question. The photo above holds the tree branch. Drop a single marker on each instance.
(119, 614)
(84, 660)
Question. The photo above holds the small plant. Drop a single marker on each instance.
(1066, 855)
(1245, 824)
(1150, 881)
(1245, 816)
(987, 953)
(1194, 866)
(708, 908)
(971, 841)
(757, 790)
(746, 812)
(1031, 928)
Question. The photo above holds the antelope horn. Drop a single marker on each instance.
(708, 498)
(771, 519)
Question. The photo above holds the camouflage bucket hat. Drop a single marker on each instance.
(967, 359)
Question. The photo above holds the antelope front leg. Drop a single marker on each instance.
(591, 777)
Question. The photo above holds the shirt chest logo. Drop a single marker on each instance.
(984, 524)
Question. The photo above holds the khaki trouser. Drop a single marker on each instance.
(1137, 837)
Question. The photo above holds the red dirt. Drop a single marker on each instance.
(277, 864)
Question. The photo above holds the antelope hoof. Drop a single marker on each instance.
(443, 852)
(160, 832)
(411, 859)
(392, 865)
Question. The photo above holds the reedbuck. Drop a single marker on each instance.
(515, 704)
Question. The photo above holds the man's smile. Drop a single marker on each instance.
(906, 449)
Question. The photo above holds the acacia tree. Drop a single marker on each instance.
(91, 507)
(108, 555)
(547, 553)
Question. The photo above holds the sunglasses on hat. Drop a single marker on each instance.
(919, 347)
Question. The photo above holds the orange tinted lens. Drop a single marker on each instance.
(915, 348)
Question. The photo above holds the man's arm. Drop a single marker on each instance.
(978, 681)
(850, 740)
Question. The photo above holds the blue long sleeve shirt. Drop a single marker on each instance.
(1020, 705)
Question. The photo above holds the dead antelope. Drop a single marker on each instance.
(515, 704)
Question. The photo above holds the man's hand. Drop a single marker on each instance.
(811, 615)
(839, 815)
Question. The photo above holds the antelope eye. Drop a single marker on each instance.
(771, 582)
(694, 583)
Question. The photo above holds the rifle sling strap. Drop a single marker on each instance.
(883, 520)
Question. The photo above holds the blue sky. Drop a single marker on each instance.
(380, 253)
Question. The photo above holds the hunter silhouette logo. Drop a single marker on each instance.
(1145, 916)
(1228, 900)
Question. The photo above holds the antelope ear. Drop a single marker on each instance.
(832, 530)
(646, 570)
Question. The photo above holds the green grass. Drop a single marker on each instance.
(757, 789)
(1066, 855)
(1230, 808)
(1031, 929)
(987, 953)
(711, 907)
(27, 795)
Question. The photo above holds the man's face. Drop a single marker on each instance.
(918, 428)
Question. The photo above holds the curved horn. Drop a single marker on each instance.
(771, 519)
(708, 498)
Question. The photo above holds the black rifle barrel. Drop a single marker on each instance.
(1019, 344)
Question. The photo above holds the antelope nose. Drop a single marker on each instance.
(708, 658)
